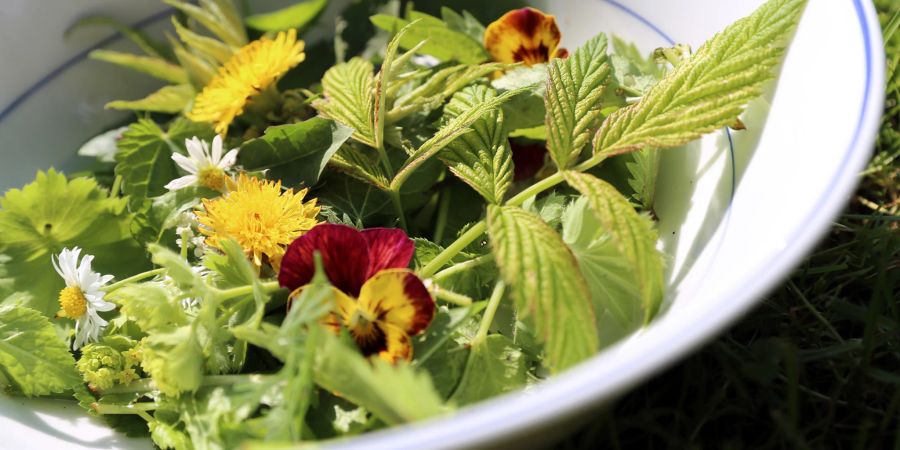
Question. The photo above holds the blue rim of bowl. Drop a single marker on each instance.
(578, 390)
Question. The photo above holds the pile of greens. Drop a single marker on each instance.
(525, 187)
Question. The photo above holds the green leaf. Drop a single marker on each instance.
(295, 153)
(454, 128)
(573, 99)
(297, 16)
(174, 360)
(709, 90)
(495, 366)
(150, 306)
(441, 41)
(150, 65)
(481, 158)
(545, 283)
(632, 234)
(350, 98)
(361, 164)
(358, 200)
(53, 213)
(168, 99)
(150, 46)
(393, 393)
(464, 23)
(32, 357)
(527, 109)
(212, 49)
(218, 16)
(145, 156)
(612, 282)
(643, 168)
(178, 270)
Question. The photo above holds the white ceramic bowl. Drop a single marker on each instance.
(737, 211)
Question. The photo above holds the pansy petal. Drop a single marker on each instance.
(523, 35)
(389, 248)
(398, 297)
(344, 257)
(398, 345)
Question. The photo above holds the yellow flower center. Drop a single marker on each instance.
(73, 303)
(212, 177)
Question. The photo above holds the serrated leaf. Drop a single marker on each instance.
(545, 283)
(212, 49)
(345, 195)
(495, 366)
(454, 128)
(481, 158)
(362, 164)
(295, 16)
(442, 42)
(32, 357)
(174, 360)
(632, 234)
(383, 82)
(219, 17)
(464, 23)
(526, 110)
(643, 169)
(350, 99)
(145, 155)
(394, 393)
(574, 89)
(150, 65)
(709, 90)
(168, 99)
(295, 153)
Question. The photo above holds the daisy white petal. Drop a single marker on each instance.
(216, 154)
(196, 148)
(187, 164)
(181, 183)
(229, 159)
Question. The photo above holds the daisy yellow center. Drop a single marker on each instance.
(72, 302)
(260, 217)
(251, 70)
(212, 177)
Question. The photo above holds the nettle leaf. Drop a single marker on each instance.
(350, 98)
(495, 366)
(362, 164)
(33, 359)
(295, 153)
(709, 90)
(481, 158)
(610, 278)
(145, 156)
(393, 393)
(297, 16)
(151, 65)
(441, 41)
(168, 99)
(545, 283)
(53, 213)
(633, 235)
(575, 87)
(454, 128)
(642, 170)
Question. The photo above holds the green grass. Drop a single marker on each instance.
(817, 365)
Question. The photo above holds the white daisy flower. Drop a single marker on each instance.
(82, 298)
(204, 167)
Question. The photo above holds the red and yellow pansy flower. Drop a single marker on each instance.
(376, 297)
(524, 35)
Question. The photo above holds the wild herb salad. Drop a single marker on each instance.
(456, 212)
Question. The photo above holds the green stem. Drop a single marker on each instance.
(445, 256)
(451, 297)
(443, 210)
(536, 189)
(462, 267)
(398, 207)
(133, 278)
(134, 408)
(228, 294)
(145, 385)
(116, 187)
(489, 313)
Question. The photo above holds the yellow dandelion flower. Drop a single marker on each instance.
(252, 69)
(260, 217)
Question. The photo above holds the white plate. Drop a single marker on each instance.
(737, 212)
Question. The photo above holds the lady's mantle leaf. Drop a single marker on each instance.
(633, 235)
(545, 282)
(52, 213)
(350, 98)
(295, 153)
(495, 366)
(32, 357)
(481, 158)
(709, 90)
(145, 156)
(575, 87)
